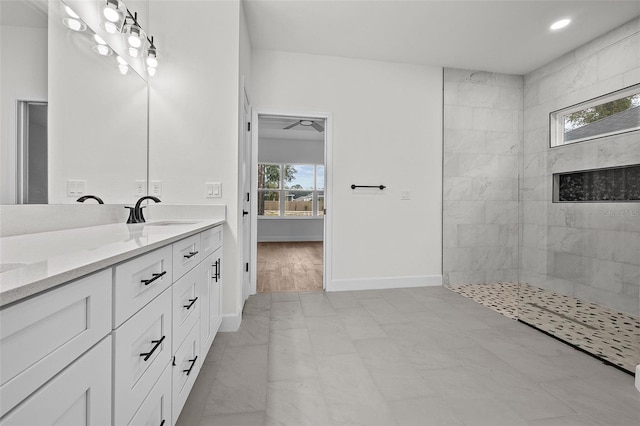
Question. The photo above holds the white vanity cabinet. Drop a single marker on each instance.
(122, 346)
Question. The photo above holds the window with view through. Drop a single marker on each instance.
(290, 190)
(612, 114)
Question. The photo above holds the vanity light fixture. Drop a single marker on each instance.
(560, 24)
(113, 11)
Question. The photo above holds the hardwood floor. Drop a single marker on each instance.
(289, 266)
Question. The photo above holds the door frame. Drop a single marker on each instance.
(328, 190)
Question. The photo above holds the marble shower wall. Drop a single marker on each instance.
(483, 127)
(587, 250)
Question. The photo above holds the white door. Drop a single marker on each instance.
(246, 200)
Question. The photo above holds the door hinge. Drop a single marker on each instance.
(247, 197)
(246, 267)
(248, 126)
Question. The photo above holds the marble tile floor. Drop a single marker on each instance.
(422, 356)
(611, 335)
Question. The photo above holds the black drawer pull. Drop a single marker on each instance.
(155, 277)
(193, 362)
(190, 304)
(191, 254)
(147, 355)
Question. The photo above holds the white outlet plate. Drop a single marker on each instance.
(213, 190)
(140, 188)
(155, 188)
(76, 187)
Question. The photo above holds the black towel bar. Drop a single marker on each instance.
(380, 187)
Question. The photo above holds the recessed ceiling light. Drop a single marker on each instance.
(560, 24)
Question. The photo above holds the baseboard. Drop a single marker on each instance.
(384, 283)
(230, 322)
(282, 239)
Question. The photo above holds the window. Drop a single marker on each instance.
(614, 184)
(290, 190)
(612, 114)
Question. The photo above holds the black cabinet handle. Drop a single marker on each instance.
(193, 362)
(147, 355)
(155, 277)
(191, 254)
(218, 269)
(190, 304)
(162, 423)
(215, 274)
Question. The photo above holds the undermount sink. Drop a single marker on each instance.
(170, 223)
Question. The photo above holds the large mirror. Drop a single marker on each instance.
(95, 117)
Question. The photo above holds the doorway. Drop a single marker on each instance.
(32, 183)
(291, 210)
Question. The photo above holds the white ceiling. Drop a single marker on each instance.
(501, 36)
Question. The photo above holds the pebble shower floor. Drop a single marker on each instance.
(610, 335)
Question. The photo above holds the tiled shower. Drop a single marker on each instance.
(570, 269)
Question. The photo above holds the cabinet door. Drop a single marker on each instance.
(79, 395)
(156, 408)
(187, 302)
(138, 281)
(210, 292)
(42, 335)
(186, 366)
(142, 350)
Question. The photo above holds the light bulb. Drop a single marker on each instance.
(70, 12)
(124, 69)
(133, 52)
(151, 71)
(74, 24)
(102, 49)
(111, 12)
(121, 61)
(134, 41)
(99, 39)
(152, 61)
(110, 27)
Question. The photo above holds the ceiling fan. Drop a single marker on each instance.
(306, 123)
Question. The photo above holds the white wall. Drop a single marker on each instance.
(387, 129)
(23, 76)
(290, 151)
(194, 108)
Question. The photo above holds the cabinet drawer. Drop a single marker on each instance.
(42, 335)
(142, 349)
(186, 305)
(156, 407)
(186, 255)
(79, 395)
(186, 368)
(211, 240)
(138, 281)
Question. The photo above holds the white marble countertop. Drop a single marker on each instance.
(32, 263)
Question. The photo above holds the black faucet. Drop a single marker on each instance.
(135, 213)
(86, 197)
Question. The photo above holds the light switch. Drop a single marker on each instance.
(213, 190)
(76, 188)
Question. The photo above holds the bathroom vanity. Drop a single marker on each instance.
(107, 324)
